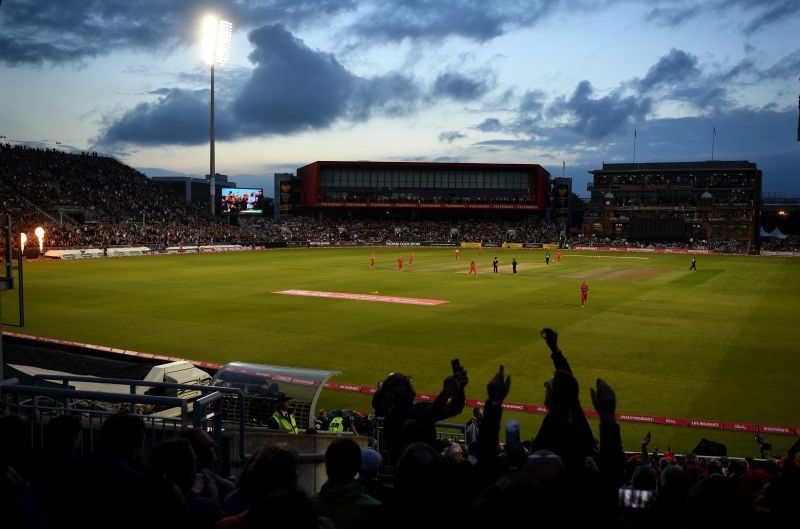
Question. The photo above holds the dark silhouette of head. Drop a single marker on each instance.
(342, 460)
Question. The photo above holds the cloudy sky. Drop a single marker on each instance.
(525, 81)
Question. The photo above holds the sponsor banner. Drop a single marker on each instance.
(714, 425)
(591, 414)
(537, 409)
(448, 244)
(783, 430)
(412, 205)
(671, 421)
(491, 245)
(425, 397)
(221, 248)
(516, 406)
(532, 245)
(319, 243)
(634, 418)
(398, 243)
(281, 378)
(740, 426)
(303, 382)
(514, 245)
(780, 254)
(470, 245)
(550, 246)
(625, 249)
(349, 243)
(369, 390)
(296, 243)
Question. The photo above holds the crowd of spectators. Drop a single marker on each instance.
(116, 205)
(778, 244)
(567, 474)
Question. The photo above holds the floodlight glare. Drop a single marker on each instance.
(40, 235)
(216, 40)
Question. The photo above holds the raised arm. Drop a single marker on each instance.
(489, 434)
(451, 399)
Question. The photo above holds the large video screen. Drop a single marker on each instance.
(244, 200)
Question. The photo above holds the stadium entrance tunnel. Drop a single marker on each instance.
(262, 384)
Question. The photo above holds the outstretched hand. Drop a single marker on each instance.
(604, 400)
(646, 440)
(456, 381)
(551, 338)
(498, 388)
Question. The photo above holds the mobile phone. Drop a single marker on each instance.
(635, 498)
(456, 363)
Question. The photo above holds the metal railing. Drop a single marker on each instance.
(200, 414)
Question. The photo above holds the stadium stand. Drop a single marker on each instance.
(138, 473)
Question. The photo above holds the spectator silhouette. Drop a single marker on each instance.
(342, 497)
(406, 422)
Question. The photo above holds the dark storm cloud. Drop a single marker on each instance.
(597, 118)
(178, 117)
(755, 14)
(787, 67)
(58, 31)
(671, 69)
(460, 87)
(291, 88)
(294, 88)
(435, 20)
(451, 136)
(672, 16)
(766, 12)
(490, 125)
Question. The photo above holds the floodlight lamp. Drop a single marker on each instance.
(216, 42)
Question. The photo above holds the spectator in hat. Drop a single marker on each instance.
(283, 418)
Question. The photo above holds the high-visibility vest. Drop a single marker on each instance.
(336, 425)
(285, 425)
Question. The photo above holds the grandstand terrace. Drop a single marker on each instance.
(714, 200)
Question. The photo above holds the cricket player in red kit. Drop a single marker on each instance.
(458, 253)
(473, 268)
(584, 293)
(399, 263)
(410, 257)
(558, 256)
(372, 260)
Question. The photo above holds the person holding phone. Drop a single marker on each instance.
(406, 421)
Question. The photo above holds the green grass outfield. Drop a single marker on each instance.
(720, 343)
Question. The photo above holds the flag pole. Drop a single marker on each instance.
(634, 145)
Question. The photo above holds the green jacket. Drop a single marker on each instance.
(346, 504)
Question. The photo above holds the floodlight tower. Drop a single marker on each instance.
(216, 51)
